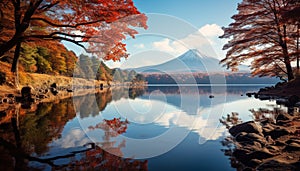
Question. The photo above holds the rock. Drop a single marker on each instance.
(26, 92)
(54, 85)
(18, 98)
(54, 91)
(264, 97)
(42, 96)
(267, 128)
(293, 100)
(10, 95)
(248, 127)
(4, 100)
(281, 101)
(69, 90)
(283, 117)
(275, 165)
(263, 153)
(292, 140)
(11, 101)
(241, 137)
(263, 90)
(252, 158)
(270, 140)
(46, 91)
(253, 163)
(280, 143)
(241, 154)
(250, 138)
(247, 169)
(293, 147)
(279, 84)
(249, 94)
(273, 149)
(278, 132)
(2, 114)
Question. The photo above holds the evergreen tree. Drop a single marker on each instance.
(131, 75)
(85, 64)
(118, 75)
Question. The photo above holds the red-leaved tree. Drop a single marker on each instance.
(98, 26)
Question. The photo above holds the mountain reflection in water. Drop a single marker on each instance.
(76, 133)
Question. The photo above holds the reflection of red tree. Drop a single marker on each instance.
(114, 126)
(99, 159)
(104, 158)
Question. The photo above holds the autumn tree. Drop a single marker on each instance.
(98, 26)
(85, 64)
(260, 33)
(103, 73)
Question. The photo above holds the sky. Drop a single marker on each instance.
(175, 26)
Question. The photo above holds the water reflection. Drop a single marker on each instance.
(29, 137)
(54, 135)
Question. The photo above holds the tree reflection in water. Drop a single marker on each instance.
(25, 135)
(276, 147)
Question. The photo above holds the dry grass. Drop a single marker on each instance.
(40, 81)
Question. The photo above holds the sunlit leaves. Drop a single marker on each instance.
(98, 26)
(260, 33)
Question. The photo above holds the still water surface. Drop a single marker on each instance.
(165, 128)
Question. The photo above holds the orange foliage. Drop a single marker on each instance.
(98, 26)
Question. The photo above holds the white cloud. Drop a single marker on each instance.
(211, 30)
(112, 64)
(139, 46)
(75, 137)
(205, 40)
(169, 46)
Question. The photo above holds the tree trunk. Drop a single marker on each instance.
(14, 65)
(286, 56)
(289, 68)
(298, 48)
(8, 45)
(287, 63)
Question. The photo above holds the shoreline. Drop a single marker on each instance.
(285, 89)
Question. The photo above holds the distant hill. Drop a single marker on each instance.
(190, 61)
(201, 78)
(194, 67)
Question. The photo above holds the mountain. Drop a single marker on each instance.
(194, 67)
(190, 61)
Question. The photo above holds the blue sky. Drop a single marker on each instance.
(176, 26)
(205, 15)
(196, 12)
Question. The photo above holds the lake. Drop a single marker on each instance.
(149, 128)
